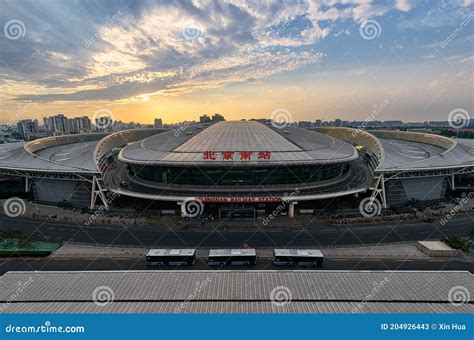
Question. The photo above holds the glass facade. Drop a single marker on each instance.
(240, 176)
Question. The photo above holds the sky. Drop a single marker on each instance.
(409, 60)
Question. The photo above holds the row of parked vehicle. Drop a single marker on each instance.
(234, 257)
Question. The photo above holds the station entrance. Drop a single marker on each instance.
(240, 213)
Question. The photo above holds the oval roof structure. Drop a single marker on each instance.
(221, 144)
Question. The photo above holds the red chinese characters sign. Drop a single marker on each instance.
(235, 155)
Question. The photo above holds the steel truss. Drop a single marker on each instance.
(98, 190)
(378, 185)
(96, 181)
(378, 189)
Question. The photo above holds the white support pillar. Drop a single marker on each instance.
(384, 198)
(291, 209)
(98, 190)
(453, 187)
(27, 183)
(183, 209)
(93, 195)
(378, 190)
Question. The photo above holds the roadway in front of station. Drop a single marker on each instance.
(263, 237)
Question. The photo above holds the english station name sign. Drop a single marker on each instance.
(262, 199)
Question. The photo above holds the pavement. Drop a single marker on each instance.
(130, 217)
(399, 251)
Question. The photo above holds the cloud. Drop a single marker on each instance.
(92, 50)
(403, 5)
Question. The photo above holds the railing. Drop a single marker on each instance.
(358, 137)
(443, 142)
(48, 142)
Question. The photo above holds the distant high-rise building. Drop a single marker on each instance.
(61, 125)
(158, 123)
(304, 124)
(204, 119)
(80, 125)
(27, 128)
(217, 118)
(57, 125)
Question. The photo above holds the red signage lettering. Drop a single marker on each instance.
(264, 154)
(245, 155)
(229, 155)
(209, 155)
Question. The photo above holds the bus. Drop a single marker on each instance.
(233, 257)
(298, 257)
(171, 257)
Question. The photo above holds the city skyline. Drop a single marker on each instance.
(322, 60)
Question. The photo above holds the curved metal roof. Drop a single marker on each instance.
(288, 146)
(67, 158)
(414, 151)
(399, 151)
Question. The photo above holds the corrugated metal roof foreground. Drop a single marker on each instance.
(222, 307)
(234, 291)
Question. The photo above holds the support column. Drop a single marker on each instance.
(98, 190)
(93, 195)
(291, 209)
(453, 187)
(183, 209)
(27, 183)
(384, 197)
